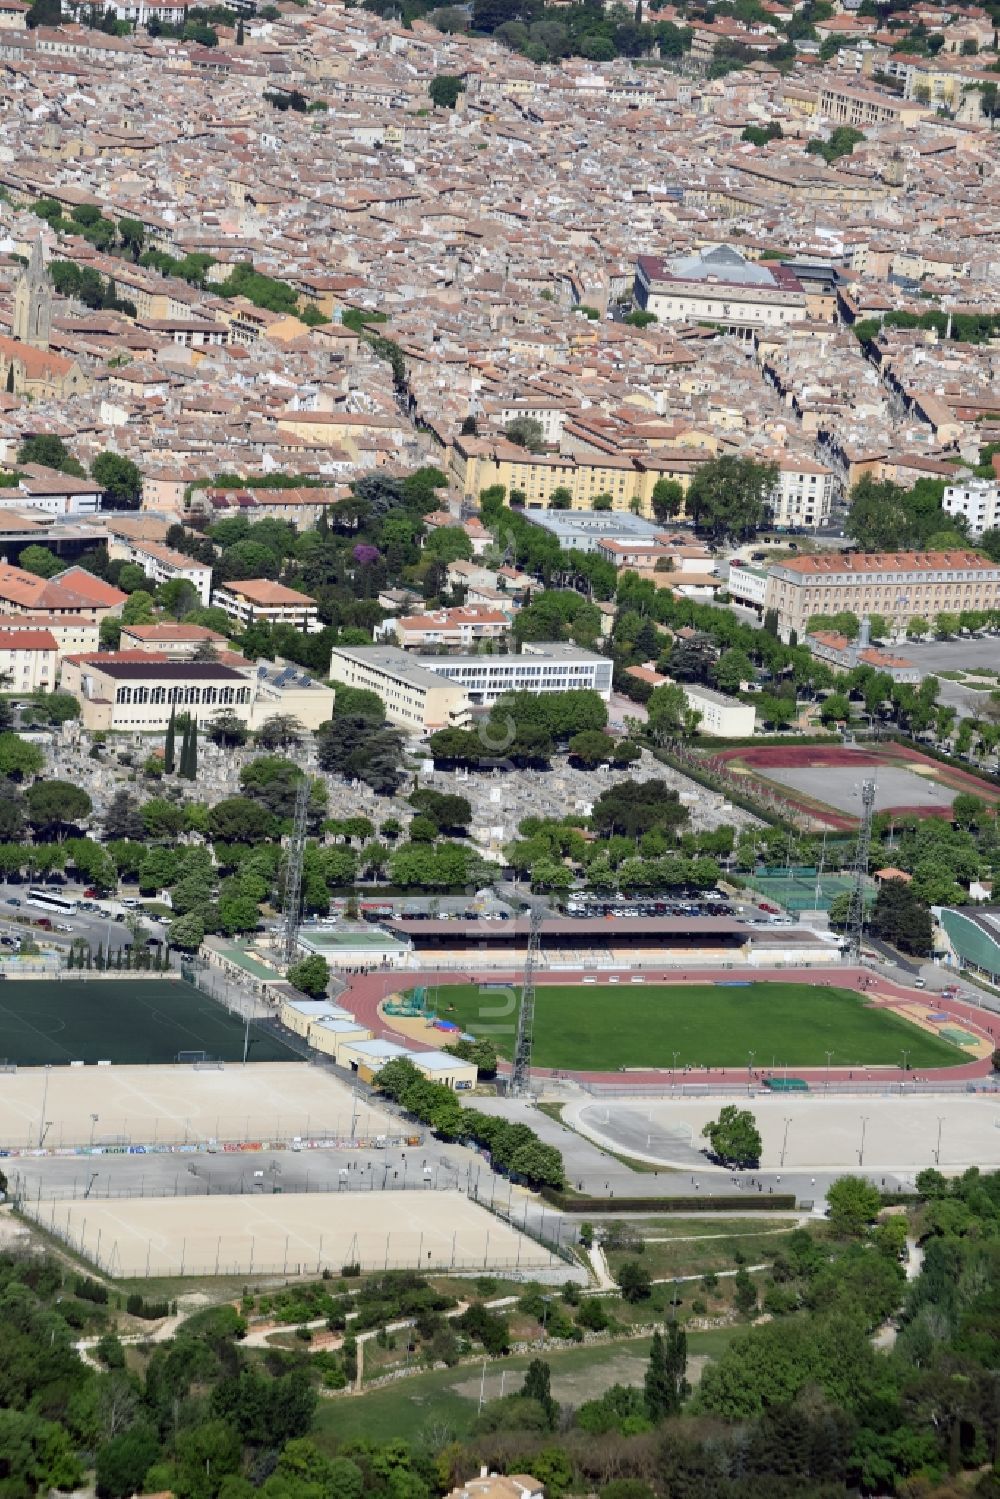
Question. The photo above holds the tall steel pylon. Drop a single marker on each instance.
(293, 869)
(856, 909)
(520, 1078)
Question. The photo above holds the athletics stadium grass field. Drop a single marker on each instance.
(600, 1027)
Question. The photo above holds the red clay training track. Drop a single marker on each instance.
(365, 992)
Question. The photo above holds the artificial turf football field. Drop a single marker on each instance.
(600, 1027)
(137, 1022)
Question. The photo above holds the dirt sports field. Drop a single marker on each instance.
(115, 1106)
(301, 1234)
(820, 784)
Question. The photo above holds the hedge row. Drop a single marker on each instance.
(935, 754)
(738, 1202)
(755, 741)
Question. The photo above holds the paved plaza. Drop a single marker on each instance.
(801, 1132)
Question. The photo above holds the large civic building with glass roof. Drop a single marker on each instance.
(720, 286)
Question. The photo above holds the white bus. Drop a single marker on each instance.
(49, 900)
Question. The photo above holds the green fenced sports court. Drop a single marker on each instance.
(601, 1027)
(132, 1022)
(799, 889)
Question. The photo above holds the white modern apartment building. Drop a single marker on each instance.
(549, 667)
(978, 500)
(160, 563)
(747, 586)
(257, 601)
(425, 693)
(724, 717)
(803, 493)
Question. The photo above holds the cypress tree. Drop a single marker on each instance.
(665, 1384)
(10, 378)
(239, 32)
(169, 744)
(192, 769)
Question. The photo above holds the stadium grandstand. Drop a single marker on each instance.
(605, 942)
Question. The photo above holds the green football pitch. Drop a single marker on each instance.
(136, 1022)
(601, 1027)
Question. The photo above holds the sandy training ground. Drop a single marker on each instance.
(159, 1106)
(897, 1134)
(298, 1235)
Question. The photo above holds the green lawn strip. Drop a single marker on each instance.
(698, 1228)
(410, 1406)
(700, 1256)
(604, 1027)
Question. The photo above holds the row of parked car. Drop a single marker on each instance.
(684, 904)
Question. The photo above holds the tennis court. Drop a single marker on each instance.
(130, 1020)
(800, 888)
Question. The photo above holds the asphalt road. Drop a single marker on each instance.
(430, 1167)
(591, 1170)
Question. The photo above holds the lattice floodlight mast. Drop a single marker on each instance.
(293, 870)
(856, 909)
(520, 1079)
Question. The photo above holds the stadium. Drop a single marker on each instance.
(701, 1028)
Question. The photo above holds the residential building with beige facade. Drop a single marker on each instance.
(28, 660)
(448, 629)
(897, 585)
(70, 634)
(481, 463)
(844, 104)
(74, 593)
(414, 698)
(180, 642)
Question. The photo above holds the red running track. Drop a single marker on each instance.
(365, 992)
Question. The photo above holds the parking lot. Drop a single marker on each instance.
(105, 924)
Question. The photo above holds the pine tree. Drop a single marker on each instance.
(170, 744)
